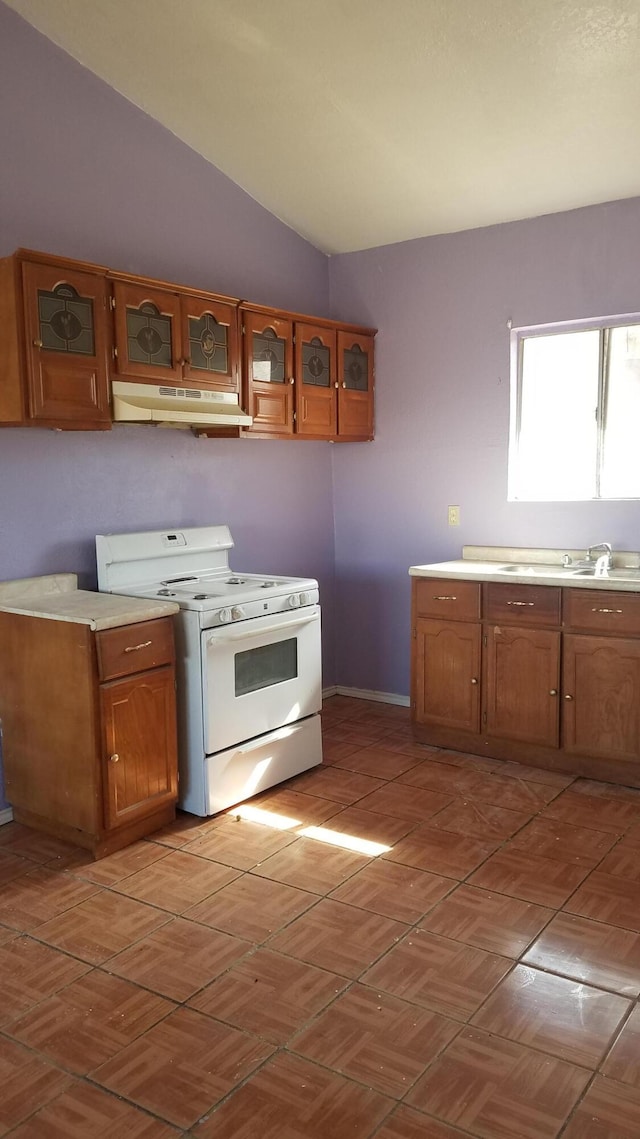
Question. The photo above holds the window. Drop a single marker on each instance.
(575, 411)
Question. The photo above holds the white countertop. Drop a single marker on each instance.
(534, 567)
(56, 598)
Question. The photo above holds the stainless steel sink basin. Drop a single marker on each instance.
(533, 570)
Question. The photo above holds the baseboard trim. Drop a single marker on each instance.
(366, 694)
(6, 816)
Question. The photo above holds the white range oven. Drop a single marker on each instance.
(249, 681)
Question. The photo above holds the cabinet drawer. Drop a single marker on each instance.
(134, 648)
(450, 600)
(600, 610)
(521, 604)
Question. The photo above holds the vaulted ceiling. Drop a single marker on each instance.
(365, 122)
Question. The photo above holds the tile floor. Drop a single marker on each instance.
(406, 943)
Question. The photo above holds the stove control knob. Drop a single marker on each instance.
(293, 601)
(237, 613)
(224, 615)
(305, 598)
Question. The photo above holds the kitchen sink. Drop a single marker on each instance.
(533, 570)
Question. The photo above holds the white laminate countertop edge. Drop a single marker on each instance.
(83, 607)
(488, 565)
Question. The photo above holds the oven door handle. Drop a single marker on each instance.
(295, 624)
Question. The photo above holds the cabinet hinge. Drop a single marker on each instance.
(484, 640)
(115, 352)
(294, 417)
(484, 717)
(112, 302)
(243, 330)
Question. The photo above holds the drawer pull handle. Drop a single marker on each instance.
(474, 680)
(522, 603)
(114, 758)
(444, 597)
(606, 610)
(135, 648)
(567, 697)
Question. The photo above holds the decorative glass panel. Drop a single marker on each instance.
(316, 363)
(356, 368)
(149, 336)
(268, 357)
(267, 665)
(208, 344)
(66, 321)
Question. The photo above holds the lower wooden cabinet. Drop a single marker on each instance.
(559, 673)
(89, 728)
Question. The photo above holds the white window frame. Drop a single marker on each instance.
(517, 337)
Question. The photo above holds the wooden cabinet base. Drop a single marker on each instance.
(626, 773)
(105, 842)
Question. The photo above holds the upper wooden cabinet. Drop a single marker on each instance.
(305, 378)
(179, 338)
(55, 342)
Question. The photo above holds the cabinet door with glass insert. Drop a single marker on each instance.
(315, 359)
(355, 386)
(268, 371)
(66, 332)
(148, 340)
(210, 344)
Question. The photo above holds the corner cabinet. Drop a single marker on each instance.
(305, 378)
(93, 758)
(55, 340)
(543, 675)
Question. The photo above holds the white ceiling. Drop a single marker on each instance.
(365, 122)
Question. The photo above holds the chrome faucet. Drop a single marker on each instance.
(604, 560)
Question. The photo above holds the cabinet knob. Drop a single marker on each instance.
(567, 697)
(553, 691)
(37, 344)
(114, 758)
(336, 385)
(292, 381)
(344, 384)
(474, 680)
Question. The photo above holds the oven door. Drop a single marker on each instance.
(259, 675)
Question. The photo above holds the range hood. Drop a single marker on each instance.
(177, 407)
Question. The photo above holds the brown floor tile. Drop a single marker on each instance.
(252, 908)
(102, 926)
(7, 934)
(85, 1111)
(179, 958)
(378, 762)
(553, 838)
(513, 794)
(334, 749)
(623, 1061)
(269, 995)
(176, 882)
(609, 1110)
(113, 868)
(553, 1014)
(493, 922)
(479, 820)
(338, 937)
(439, 776)
(622, 862)
(28, 843)
(184, 829)
(89, 1021)
(589, 951)
(290, 1097)
(241, 844)
(405, 1123)
(607, 791)
(183, 1066)
(496, 1089)
(632, 836)
(30, 972)
(440, 974)
(369, 825)
(477, 763)
(312, 865)
(612, 815)
(415, 804)
(375, 1038)
(441, 852)
(333, 783)
(34, 898)
(12, 866)
(537, 775)
(606, 898)
(395, 891)
(308, 810)
(27, 1082)
(523, 874)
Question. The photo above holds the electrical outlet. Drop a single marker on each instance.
(454, 515)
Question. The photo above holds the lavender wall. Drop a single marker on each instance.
(442, 409)
(85, 174)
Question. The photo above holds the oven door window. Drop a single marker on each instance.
(269, 664)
